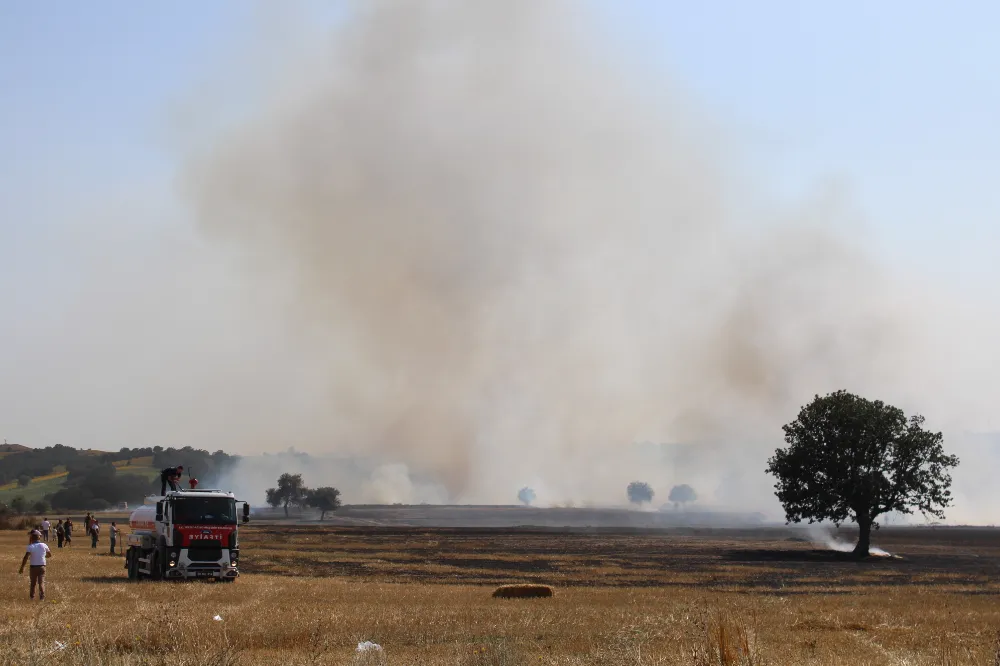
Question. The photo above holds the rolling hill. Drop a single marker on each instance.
(76, 478)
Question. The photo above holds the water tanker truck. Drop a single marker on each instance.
(185, 534)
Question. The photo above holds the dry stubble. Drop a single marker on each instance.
(308, 619)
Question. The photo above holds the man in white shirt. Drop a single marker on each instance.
(45, 530)
(38, 553)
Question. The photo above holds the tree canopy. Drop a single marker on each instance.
(639, 492)
(852, 458)
(325, 499)
(682, 494)
(291, 491)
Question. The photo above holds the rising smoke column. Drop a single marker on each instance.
(514, 256)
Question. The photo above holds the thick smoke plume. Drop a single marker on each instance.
(511, 255)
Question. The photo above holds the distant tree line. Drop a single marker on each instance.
(94, 482)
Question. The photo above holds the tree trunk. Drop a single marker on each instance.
(286, 509)
(864, 537)
(322, 514)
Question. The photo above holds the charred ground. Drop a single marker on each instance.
(759, 560)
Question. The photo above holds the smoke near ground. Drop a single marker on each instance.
(509, 256)
(821, 534)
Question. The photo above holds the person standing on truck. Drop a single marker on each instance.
(170, 475)
(113, 535)
(60, 533)
(45, 529)
(37, 552)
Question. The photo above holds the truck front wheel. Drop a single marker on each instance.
(156, 565)
(132, 562)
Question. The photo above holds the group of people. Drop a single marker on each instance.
(64, 532)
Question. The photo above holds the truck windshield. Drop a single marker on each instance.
(204, 511)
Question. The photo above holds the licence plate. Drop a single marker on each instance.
(204, 574)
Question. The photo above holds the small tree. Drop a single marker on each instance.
(23, 480)
(19, 505)
(682, 494)
(291, 491)
(526, 496)
(852, 458)
(41, 506)
(639, 492)
(325, 499)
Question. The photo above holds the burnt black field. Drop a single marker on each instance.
(588, 547)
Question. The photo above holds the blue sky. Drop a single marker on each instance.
(896, 100)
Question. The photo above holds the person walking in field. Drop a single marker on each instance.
(113, 535)
(68, 525)
(95, 529)
(60, 534)
(45, 529)
(37, 553)
(87, 523)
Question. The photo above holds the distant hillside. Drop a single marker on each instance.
(63, 477)
(6, 449)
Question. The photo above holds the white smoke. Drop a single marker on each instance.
(822, 535)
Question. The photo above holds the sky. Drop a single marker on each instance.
(891, 105)
(896, 101)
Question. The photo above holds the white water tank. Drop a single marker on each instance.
(143, 518)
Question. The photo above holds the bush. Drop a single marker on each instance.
(18, 505)
(11, 521)
(72, 498)
(23, 480)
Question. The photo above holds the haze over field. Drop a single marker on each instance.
(467, 247)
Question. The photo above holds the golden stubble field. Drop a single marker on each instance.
(309, 595)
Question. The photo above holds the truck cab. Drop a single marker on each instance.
(186, 534)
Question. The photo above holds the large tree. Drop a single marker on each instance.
(852, 458)
(682, 494)
(639, 492)
(291, 491)
(325, 499)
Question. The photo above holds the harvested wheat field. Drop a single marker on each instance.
(310, 595)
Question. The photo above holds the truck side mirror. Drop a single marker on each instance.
(159, 512)
(246, 512)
